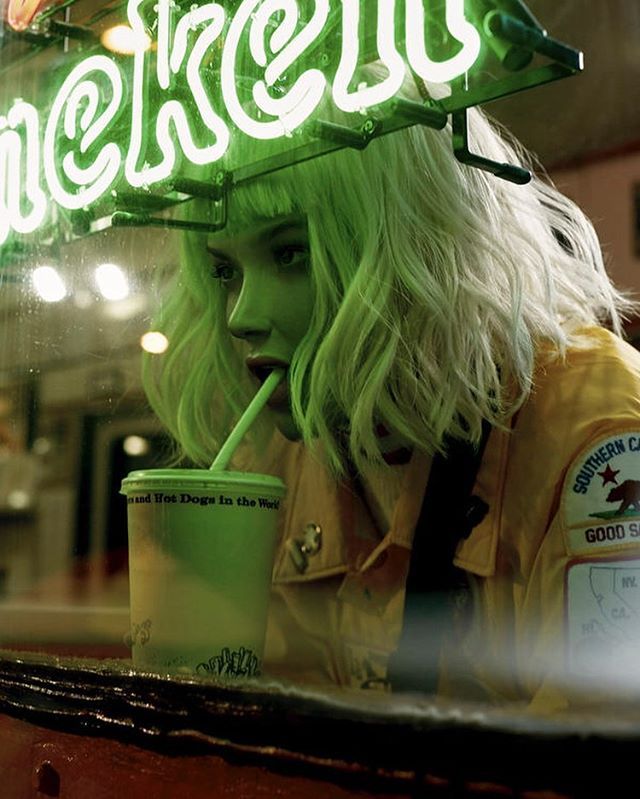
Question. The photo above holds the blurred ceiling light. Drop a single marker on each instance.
(112, 282)
(48, 284)
(135, 445)
(154, 342)
(123, 40)
(42, 446)
(18, 500)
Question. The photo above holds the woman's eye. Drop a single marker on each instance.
(225, 273)
(292, 255)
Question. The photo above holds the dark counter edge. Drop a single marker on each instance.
(375, 743)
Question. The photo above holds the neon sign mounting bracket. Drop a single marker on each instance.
(217, 192)
(514, 174)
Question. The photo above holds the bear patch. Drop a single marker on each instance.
(627, 493)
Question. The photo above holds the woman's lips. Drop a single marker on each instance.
(261, 367)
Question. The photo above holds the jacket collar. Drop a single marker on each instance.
(477, 554)
(350, 540)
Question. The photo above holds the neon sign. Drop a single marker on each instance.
(77, 154)
(20, 13)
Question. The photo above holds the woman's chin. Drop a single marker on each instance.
(283, 420)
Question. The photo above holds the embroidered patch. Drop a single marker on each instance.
(601, 495)
(603, 617)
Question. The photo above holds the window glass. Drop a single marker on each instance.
(76, 297)
(114, 255)
(74, 422)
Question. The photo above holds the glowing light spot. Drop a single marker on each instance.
(20, 13)
(48, 284)
(154, 342)
(112, 282)
(122, 39)
(18, 500)
(135, 446)
(42, 446)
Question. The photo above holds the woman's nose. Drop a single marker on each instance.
(250, 317)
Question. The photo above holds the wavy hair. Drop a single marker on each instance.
(435, 285)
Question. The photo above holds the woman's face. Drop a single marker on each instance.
(265, 272)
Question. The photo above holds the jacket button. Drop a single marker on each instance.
(312, 540)
(300, 549)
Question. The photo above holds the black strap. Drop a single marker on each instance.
(449, 512)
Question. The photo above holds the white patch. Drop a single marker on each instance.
(600, 505)
(603, 619)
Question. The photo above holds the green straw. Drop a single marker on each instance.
(246, 420)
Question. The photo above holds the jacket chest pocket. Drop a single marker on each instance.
(370, 607)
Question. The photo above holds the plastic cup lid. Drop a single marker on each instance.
(202, 480)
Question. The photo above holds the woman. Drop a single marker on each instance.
(416, 302)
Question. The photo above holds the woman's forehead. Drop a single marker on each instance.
(258, 229)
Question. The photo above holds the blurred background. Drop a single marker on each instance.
(73, 319)
(586, 129)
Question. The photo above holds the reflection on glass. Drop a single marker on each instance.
(154, 342)
(48, 284)
(123, 40)
(112, 282)
(135, 445)
(73, 422)
(74, 417)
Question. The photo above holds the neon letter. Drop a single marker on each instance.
(385, 37)
(170, 60)
(292, 109)
(92, 181)
(16, 163)
(460, 28)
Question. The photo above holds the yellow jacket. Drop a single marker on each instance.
(556, 608)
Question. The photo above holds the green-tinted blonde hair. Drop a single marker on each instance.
(435, 284)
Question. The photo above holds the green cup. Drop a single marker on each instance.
(201, 551)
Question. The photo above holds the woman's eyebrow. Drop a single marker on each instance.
(294, 225)
(217, 253)
(266, 234)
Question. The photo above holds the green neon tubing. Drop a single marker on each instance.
(170, 64)
(93, 181)
(164, 42)
(18, 163)
(80, 158)
(367, 96)
(306, 93)
(458, 26)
